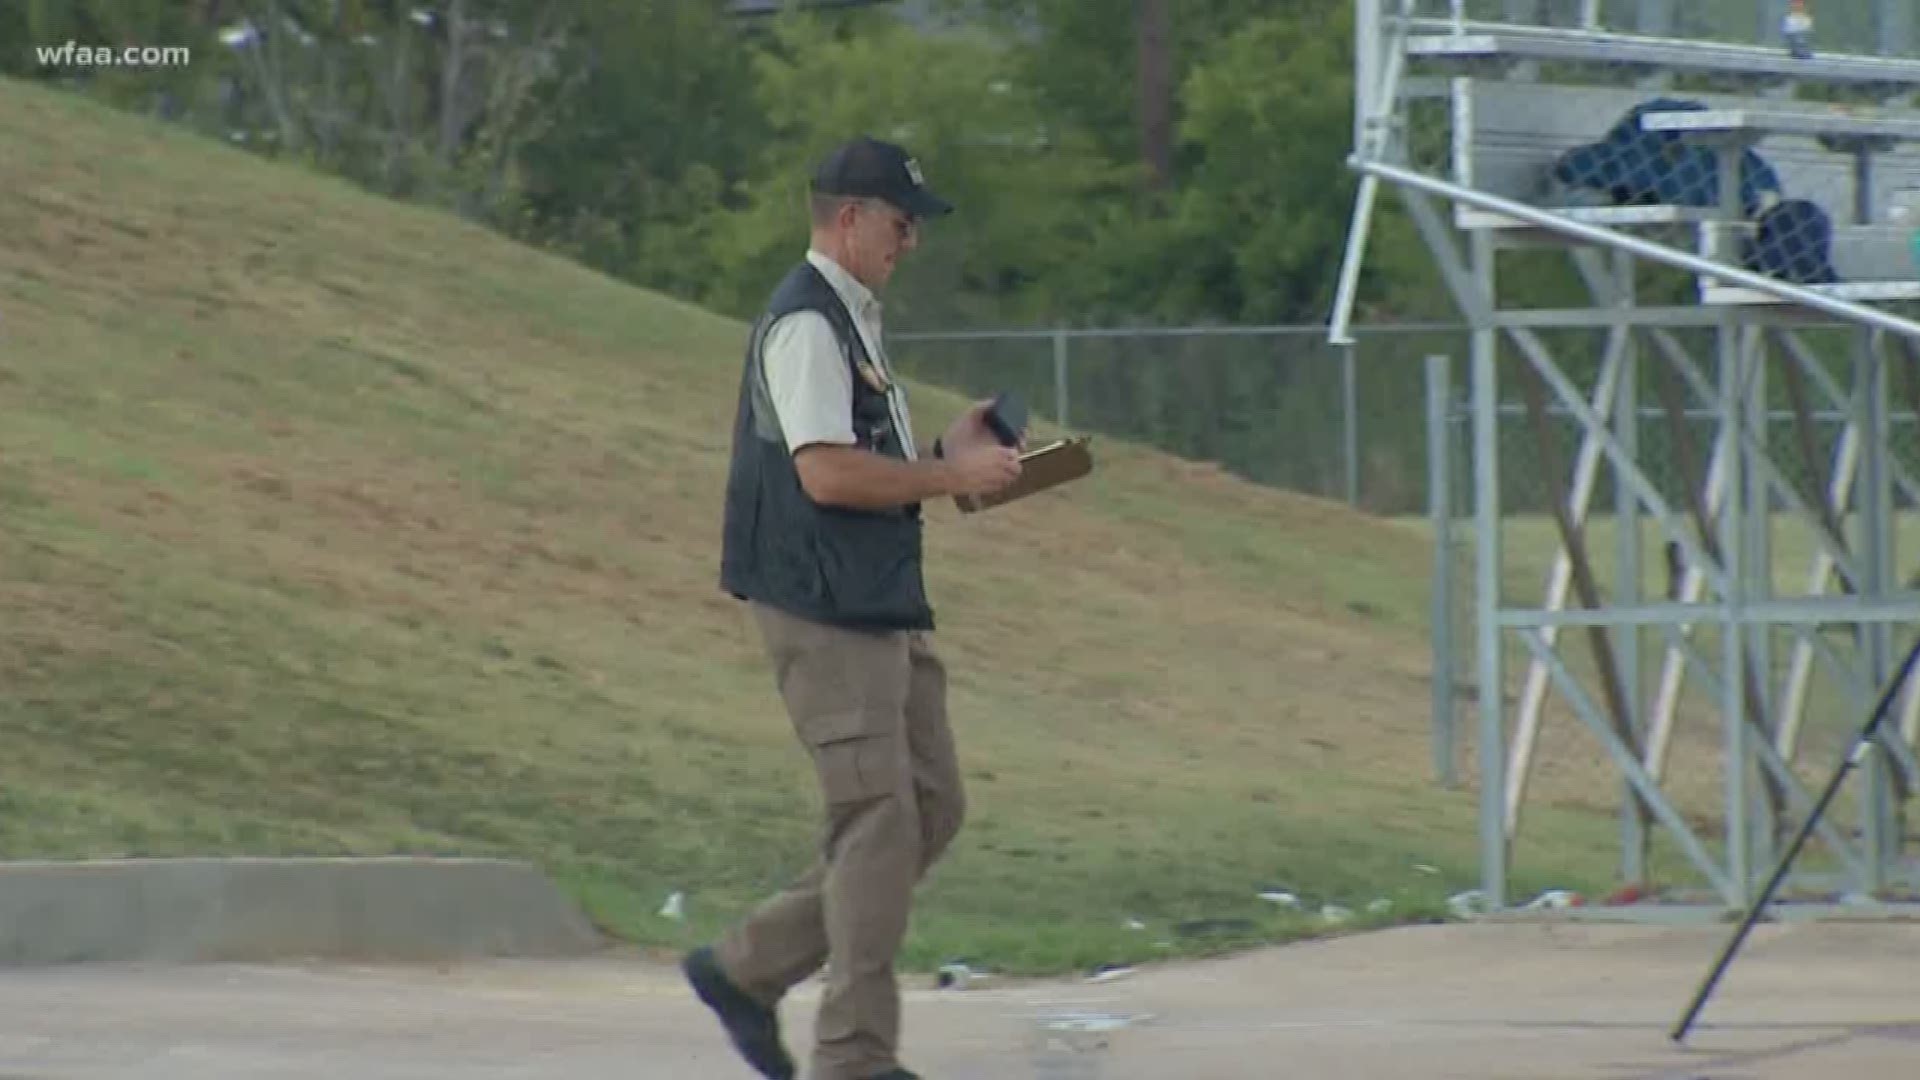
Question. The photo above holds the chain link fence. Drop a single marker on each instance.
(1277, 405)
(1280, 406)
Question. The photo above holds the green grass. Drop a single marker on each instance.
(334, 526)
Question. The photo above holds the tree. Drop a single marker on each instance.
(1100, 72)
(648, 137)
(1022, 183)
(1267, 128)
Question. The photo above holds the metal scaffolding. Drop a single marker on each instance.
(1676, 305)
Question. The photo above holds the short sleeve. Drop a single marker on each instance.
(808, 381)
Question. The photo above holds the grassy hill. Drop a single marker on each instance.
(330, 525)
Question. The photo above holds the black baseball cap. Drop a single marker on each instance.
(869, 168)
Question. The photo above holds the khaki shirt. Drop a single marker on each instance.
(807, 375)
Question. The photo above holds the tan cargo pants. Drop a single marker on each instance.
(871, 710)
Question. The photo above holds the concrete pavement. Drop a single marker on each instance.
(266, 909)
(1474, 1002)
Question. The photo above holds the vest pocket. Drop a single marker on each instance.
(869, 566)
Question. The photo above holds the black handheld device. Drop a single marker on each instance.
(1007, 417)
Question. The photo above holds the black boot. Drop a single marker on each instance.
(753, 1028)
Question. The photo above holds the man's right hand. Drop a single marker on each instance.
(982, 469)
(837, 475)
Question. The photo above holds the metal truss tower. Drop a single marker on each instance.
(1786, 362)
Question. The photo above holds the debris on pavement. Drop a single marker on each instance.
(1069, 1044)
(1631, 893)
(958, 975)
(1090, 1022)
(1556, 899)
(1465, 905)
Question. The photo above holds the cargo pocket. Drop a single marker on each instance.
(855, 763)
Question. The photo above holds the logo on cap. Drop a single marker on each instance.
(913, 170)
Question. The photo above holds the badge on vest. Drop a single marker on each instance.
(873, 377)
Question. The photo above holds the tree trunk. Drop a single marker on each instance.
(451, 72)
(400, 133)
(330, 120)
(270, 69)
(1156, 91)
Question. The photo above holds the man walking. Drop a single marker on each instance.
(822, 538)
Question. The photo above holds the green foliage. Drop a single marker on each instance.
(668, 144)
(1275, 223)
(1082, 58)
(633, 156)
(1020, 184)
(1261, 103)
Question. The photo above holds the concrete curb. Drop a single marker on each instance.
(215, 909)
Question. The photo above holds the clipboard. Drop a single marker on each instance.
(1041, 468)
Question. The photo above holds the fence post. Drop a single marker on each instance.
(1350, 407)
(1655, 18)
(1060, 375)
(1440, 513)
(1893, 33)
(1771, 12)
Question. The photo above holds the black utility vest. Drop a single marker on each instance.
(853, 568)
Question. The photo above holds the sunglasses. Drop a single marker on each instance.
(904, 225)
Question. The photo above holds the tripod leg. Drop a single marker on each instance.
(1861, 748)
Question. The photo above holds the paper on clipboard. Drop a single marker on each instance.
(1040, 468)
